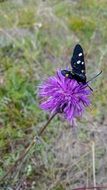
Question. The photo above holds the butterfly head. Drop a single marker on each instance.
(66, 73)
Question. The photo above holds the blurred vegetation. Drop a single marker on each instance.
(37, 38)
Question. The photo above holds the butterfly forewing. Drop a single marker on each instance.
(78, 63)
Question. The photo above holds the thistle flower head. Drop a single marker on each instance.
(64, 95)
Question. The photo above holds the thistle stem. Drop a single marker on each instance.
(28, 147)
(44, 127)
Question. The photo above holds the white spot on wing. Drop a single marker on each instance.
(82, 63)
(82, 71)
(80, 54)
(78, 62)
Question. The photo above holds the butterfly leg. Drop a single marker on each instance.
(90, 87)
(87, 85)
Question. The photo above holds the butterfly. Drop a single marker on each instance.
(78, 67)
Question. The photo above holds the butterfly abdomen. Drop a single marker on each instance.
(79, 78)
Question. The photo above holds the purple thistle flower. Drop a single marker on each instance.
(64, 95)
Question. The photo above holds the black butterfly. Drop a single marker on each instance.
(78, 67)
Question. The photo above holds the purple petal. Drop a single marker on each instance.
(65, 95)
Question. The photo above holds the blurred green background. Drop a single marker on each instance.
(36, 38)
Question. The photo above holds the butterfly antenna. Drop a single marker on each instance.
(94, 77)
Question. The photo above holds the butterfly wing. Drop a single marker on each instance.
(78, 64)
